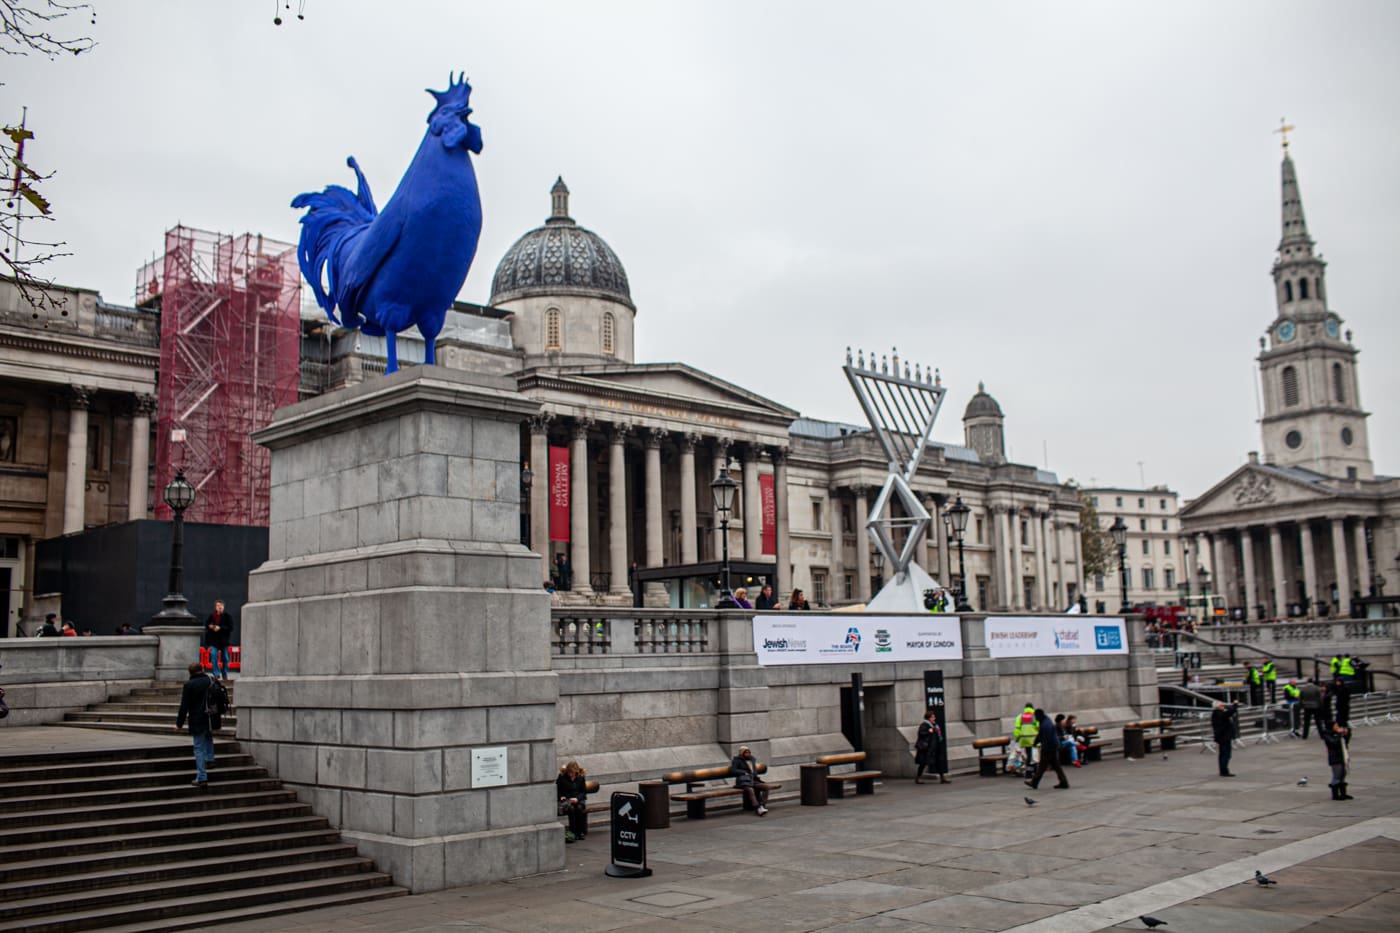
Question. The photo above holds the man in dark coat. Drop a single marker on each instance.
(218, 634)
(192, 707)
(1337, 708)
(1049, 741)
(1222, 726)
(1336, 740)
(930, 751)
(49, 629)
(1310, 701)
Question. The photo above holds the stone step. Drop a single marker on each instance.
(99, 852)
(133, 753)
(165, 721)
(235, 887)
(197, 913)
(87, 792)
(197, 804)
(182, 762)
(178, 866)
(148, 728)
(127, 795)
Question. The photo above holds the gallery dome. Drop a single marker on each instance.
(560, 258)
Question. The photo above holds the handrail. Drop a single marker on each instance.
(1211, 701)
(1317, 661)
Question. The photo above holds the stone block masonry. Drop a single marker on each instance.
(398, 626)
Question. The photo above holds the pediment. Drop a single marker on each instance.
(1255, 486)
(663, 386)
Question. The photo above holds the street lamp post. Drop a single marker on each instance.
(1119, 530)
(958, 514)
(179, 495)
(723, 489)
(527, 479)
(879, 568)
(1206, 609)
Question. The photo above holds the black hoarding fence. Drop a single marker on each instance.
(629, 837)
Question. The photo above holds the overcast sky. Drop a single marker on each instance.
(1077, 203)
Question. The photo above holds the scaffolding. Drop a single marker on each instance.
(229, 358)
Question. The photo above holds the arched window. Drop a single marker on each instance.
(553, 332)
(609, 330)
(1302, 289)
(1287, 291)
(1290, 386)
(1339, 390)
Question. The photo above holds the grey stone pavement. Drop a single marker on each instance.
(1165, 837)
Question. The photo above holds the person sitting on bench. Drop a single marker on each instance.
(572, 788)
(746, 777)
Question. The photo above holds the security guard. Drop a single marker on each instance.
(1025, 732)
(1292, 694)
(1255, 684)
(1345, 668)
(1270, 674)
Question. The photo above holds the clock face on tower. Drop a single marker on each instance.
(1286, 331)
(1332, 327)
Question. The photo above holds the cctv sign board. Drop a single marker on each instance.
(629, 837)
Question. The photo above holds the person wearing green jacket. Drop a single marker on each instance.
(1255, 683)
(1270, 674)
(1025, 732)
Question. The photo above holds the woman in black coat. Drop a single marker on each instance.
(931, 750)
(572, 788)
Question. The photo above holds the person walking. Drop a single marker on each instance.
(1048, 738)
(192, 707)
(1310, 702)
(1270, 675)
(746, 777)
(218, 634)
(572, 787)
(930, 749)
(1222, 727)
(1337, 758)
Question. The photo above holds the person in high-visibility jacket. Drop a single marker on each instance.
(1270, 674)
(1345, 667)
(1025, 732)
(1292, 694)
(1255, 683)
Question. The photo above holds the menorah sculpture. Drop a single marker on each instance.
(901, 408)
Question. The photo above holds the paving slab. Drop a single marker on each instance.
(1167, 838)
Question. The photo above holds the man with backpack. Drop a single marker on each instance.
(203, 701)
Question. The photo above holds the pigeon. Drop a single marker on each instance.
(1262, 879)
(1164, 757)
(1152, 922)
(1030, 802)
(1303, 781)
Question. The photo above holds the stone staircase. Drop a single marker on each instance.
(117, 839)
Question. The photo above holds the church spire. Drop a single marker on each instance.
(559, 203)
(1295, 225)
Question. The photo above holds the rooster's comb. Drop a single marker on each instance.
(457, 93)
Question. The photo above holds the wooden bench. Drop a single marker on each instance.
(987, 765)
(1163, 735)
(836, 781)
(706, 784)
(1094, 746)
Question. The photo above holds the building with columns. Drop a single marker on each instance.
(1309, 528)
(615, 471)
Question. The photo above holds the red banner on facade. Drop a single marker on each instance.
(768, 505)
(559, 494)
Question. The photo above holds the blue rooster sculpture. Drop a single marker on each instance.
(387, 271)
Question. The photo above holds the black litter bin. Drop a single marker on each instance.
(813, 785)
(1133, 745)
(656, 804)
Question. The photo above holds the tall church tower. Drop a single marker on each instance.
(1312, 406)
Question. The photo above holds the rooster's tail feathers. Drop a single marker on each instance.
(332, 220)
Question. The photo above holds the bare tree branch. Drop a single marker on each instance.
(27, 27)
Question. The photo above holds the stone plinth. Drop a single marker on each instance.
(179, 648)
(398, 627)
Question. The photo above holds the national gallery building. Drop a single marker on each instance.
(615, 477)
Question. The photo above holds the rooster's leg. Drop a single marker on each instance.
(393, 366)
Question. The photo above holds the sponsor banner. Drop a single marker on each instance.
(808, 638)
(1052, 636)
(559, 494)
(769, 507)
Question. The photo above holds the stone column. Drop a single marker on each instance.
(688, 529)
(1200, 556)
(1042, 562)
(1363, 566)
(396, 647)
(138, 490)
(617, 509)
(540, 486)
(1060, 561)
(933, 541)
(653, 438)
(783, 522)
(1339, 562)
(862, 545)
(753, 505)
(75, 480)
(838, 549)
(582, 560)
(721, 462)
(1005, 552)
(1309, 562)
(1219, 579)
(1276, 569)
(1247, 557)
(981, 681)
(1076, 541)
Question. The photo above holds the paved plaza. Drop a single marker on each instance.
(1162, 836)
